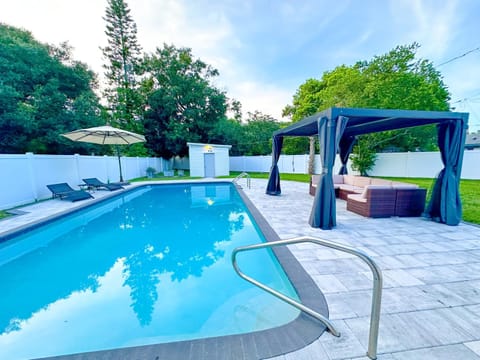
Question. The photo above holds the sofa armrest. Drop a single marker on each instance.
(379, 201)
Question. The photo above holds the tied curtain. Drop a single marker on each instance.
(445, 205)
(344, 151)
(323, 214)
(273, 186)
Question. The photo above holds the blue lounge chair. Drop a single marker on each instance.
(65, 192)
(97, 184)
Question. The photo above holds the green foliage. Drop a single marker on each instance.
(364, 156)
(229, 132)
(252, 137)
(43, 93)
(123, 67)
(257, 134)
(182, 104)
(396, 80)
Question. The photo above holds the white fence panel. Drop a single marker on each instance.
(24, 177)
(16, 182)
(471, 164)
(410, 164)
(251, 163)
(94, 166)
(181, 163)
(238, 163)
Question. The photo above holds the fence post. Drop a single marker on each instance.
(138, 167)
(77, 167)
(407, 165)
(105, 157)
(31, 173)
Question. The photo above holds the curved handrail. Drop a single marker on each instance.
(377, 284)
(242, 175)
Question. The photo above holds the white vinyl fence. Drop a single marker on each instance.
(24, 177)
(410, 164)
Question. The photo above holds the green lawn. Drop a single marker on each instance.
(469, 189)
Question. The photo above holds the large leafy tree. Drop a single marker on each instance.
(252, 136)
(228, 132)
(182, 104)
(122, 66)
(396, 80)
(43, 93)
(257, 134)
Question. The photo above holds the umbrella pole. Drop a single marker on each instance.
(119, 163)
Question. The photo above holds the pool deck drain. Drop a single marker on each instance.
(431, 298)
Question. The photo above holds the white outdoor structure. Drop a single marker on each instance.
(209, 160)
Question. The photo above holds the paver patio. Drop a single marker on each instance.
(431, 297)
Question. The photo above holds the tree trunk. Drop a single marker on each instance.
(311, 155)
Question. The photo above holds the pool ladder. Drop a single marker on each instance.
(377, 284)
(243, 175)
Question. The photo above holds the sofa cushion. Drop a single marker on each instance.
(337, 179)
(376, 181)
(348, 179)
(361, 181)
(350, 188)
(357, 197)
(370, 187)
(399, 185)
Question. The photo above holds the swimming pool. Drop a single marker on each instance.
(149, 266)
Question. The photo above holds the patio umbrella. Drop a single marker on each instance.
(106, 135)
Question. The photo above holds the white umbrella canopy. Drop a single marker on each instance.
(106, 135)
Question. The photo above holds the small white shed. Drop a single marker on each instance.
(209, 160)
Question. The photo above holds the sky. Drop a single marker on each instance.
(264, 50)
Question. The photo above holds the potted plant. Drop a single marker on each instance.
(150, 172)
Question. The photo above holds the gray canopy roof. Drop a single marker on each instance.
(365, 121)
(337, 129)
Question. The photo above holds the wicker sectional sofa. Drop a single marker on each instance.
(377, 197)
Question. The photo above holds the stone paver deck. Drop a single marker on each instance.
(431, 296)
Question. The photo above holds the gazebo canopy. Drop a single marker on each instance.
(337, 129)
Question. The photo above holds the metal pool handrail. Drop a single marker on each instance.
(377, 284)
(242, 175)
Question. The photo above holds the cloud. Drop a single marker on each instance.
(267, 98)
(265, 50)
(54, 21)
(430, 24)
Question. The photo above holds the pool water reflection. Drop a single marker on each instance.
(149, 266)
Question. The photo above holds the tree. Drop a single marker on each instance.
(182, 104)
(229, 132)
(305, 102)
(123, 66)
(257, 134)
(250, 137)
(43, 93)
(396, 80)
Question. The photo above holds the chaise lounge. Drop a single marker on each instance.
(97, 184)
(65, 192)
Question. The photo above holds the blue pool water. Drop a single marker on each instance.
(151, 265)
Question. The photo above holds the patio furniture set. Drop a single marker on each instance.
(376, 198)
(66, 192)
